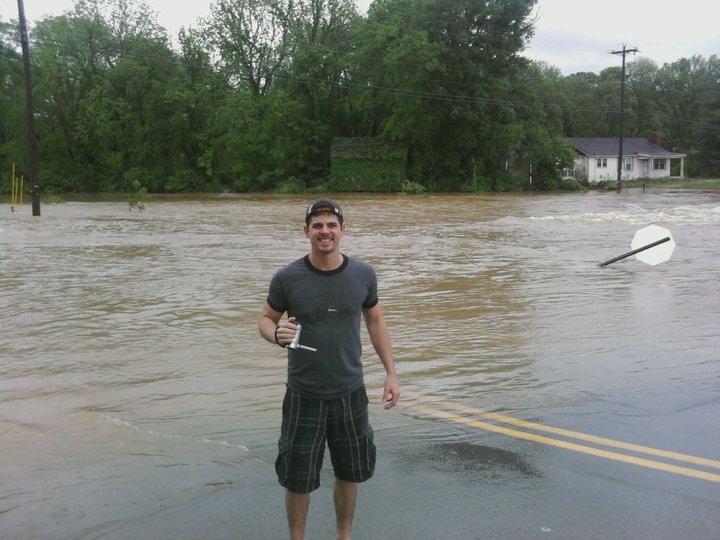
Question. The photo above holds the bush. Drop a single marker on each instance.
(290, 186)
(570, 184)
(413, 187)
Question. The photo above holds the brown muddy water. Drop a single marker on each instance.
(133, 378)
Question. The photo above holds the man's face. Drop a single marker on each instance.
(325, 232)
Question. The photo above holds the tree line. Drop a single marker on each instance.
(264, 95)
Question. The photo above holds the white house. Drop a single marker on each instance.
(597, 159)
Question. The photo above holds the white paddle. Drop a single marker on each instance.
(651, 245)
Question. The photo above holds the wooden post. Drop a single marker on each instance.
(29, 113)
(622, 113)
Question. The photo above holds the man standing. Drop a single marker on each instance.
(324, 294)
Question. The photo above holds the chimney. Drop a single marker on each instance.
(655, 138)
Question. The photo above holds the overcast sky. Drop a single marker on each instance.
(573, 35)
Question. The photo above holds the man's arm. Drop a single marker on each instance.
(380, 338)
(267, 324)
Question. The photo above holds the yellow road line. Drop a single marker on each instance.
(583, 436)
(712, 477)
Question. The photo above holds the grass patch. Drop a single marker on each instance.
(685, 183)
(702, 184)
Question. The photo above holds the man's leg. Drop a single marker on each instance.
(297, 505)
(350, 438)
(345, 495)
(301, 447)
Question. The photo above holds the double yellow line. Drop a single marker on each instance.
(476, 418)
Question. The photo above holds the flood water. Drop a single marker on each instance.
(133, 378)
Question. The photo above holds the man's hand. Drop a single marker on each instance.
(285, 332)
(392, 392)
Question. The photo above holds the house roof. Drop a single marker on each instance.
(609, 146)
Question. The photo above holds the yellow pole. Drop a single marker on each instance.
(22, 181)
(12, 188)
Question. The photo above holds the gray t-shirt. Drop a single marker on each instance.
(328, 305)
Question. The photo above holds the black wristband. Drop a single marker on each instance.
(276, 340)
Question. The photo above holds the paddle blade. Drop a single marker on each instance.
(658, 254)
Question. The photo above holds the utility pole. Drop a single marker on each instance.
(624, 52)
(29, 113)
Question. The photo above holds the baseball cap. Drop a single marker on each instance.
(323, 205)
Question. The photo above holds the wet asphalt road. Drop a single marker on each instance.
(437, 479)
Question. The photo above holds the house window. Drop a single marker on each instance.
(659, 164)
(627, 164)
(602, 163)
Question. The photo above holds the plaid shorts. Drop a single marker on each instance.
(308, 424)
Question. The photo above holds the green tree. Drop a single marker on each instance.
(70, 66)
(252, 45)
(642, 116)
(581, 118)
(12, 104)
(707, 128)
(688, 90)
(253, 41)
(285, 63)
(442, 70)
(314, 87)
(541, 152)
(111, 111)
(255, 97)
(200, 94)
